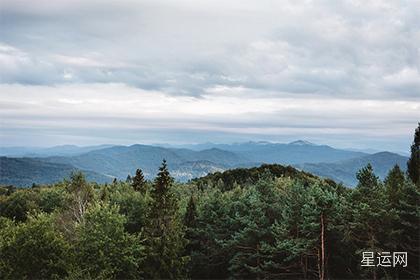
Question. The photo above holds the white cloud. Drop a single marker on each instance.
(100, 106)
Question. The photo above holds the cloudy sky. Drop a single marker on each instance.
(344, 73)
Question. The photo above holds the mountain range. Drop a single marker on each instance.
(24, 166)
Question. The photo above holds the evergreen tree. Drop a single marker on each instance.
(408, 223)
(214, 226)
(256, 211)
(306, 236)
(370, 220)
(163, 204)
(321, 223)
(367, 180)
(138, 181)
(413, 165)
(191, 233)
(164, 233)
(190, 218)
(394, 183)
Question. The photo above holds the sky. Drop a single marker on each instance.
(85, 72)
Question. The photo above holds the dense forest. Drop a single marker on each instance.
(271, 222)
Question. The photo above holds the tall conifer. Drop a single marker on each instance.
(413, 165)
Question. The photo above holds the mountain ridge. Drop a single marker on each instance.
(185, 164)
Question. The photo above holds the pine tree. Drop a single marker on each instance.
(138, 181)
(190, 218)
(368, 181)
(413, 165)
(256, 210)
(289, 253)
(191, 234)
(214, 227)
(165, 243)
(409, 225)
(371, 218)
(394, 182)
(163, 200)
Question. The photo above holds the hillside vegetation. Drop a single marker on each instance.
(270, 222)
(23, 172)
(276, 223)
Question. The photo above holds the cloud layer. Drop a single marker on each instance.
(158, 70)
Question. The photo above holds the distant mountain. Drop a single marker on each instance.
(63, 150)
(185, 164)
(296, 152)
(119, 161)
(302, 143)
(345, 171)
(23, 172)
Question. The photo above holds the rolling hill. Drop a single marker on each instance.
(23, 172)
(345, 171)
(226, 180)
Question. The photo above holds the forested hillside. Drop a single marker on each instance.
(23, 172)
(271, 222)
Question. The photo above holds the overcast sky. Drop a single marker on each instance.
(344, 73)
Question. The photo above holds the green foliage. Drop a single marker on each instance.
(34, 250)
(103, 248)
(7, 190)
(164, 233)
(17, 205)
(257, 209)
(242, 176)
(138, 181)
(81, 194)
(368, 181)
(132, 204)
(394, 184)
(190, 218)
(413, 165)
(407, 224)
(51, 199)
(370, 224)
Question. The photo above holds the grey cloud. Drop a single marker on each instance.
(265, 70)
(334, 48)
